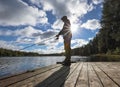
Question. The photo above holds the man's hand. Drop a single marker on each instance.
(57, 37)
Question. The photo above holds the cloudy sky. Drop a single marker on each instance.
(27, 22)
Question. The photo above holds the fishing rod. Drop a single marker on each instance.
(37, 43)
(43, 41)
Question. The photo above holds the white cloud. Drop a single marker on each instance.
(26, 32)
(6, 32)
(53, 47)
(63, 7)
(49, 41)
(91, 38)
(47, 34)
(74, 9)
(91, 24)
(57, 24)
(8, 45)
(24, 40)
(30, 35)
(97, 1)
(16, 12)
(48, 51)
(78, 43)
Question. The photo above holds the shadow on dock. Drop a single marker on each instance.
(57, 79)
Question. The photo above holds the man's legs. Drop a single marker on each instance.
(67, 47)
(67, 51)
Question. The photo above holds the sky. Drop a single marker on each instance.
(27, 22)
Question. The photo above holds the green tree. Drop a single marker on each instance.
(108, 38)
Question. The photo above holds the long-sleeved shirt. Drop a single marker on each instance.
(66, 29)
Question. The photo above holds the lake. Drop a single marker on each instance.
(15, 65)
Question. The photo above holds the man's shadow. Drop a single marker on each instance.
(57, 79)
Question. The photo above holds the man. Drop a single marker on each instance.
(67, 35)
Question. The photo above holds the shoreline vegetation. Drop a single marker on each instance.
(13, 53)
(107, 39)
(105, 56)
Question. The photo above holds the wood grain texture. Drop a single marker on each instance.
(80, 74)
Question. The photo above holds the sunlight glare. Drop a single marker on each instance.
(74, 28)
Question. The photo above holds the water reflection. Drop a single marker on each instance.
(15, 65)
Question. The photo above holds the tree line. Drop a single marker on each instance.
(107, 41)
(10, 53)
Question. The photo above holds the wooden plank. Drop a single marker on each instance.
(94, 81)
(106, 81)
(87, 74)
(71, 81)
(20, 77)
(35, 79)
(113, 66)
(56, 75)
(83, 78)
(110, 71)
(60, 81)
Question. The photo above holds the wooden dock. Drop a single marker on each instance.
(81, 74)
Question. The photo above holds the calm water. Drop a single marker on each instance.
(15, 65)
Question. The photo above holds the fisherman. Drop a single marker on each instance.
(67, 35)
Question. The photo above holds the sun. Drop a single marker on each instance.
(74, 28)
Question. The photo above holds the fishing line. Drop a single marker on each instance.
(37, 43)
(43, 41)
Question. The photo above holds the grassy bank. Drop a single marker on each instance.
(105, 57)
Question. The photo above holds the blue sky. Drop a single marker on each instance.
(26, 22)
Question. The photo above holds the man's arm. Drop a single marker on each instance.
(60, 33)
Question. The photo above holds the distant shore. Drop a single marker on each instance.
(105, 57)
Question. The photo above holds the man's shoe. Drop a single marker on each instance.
(66, 63)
